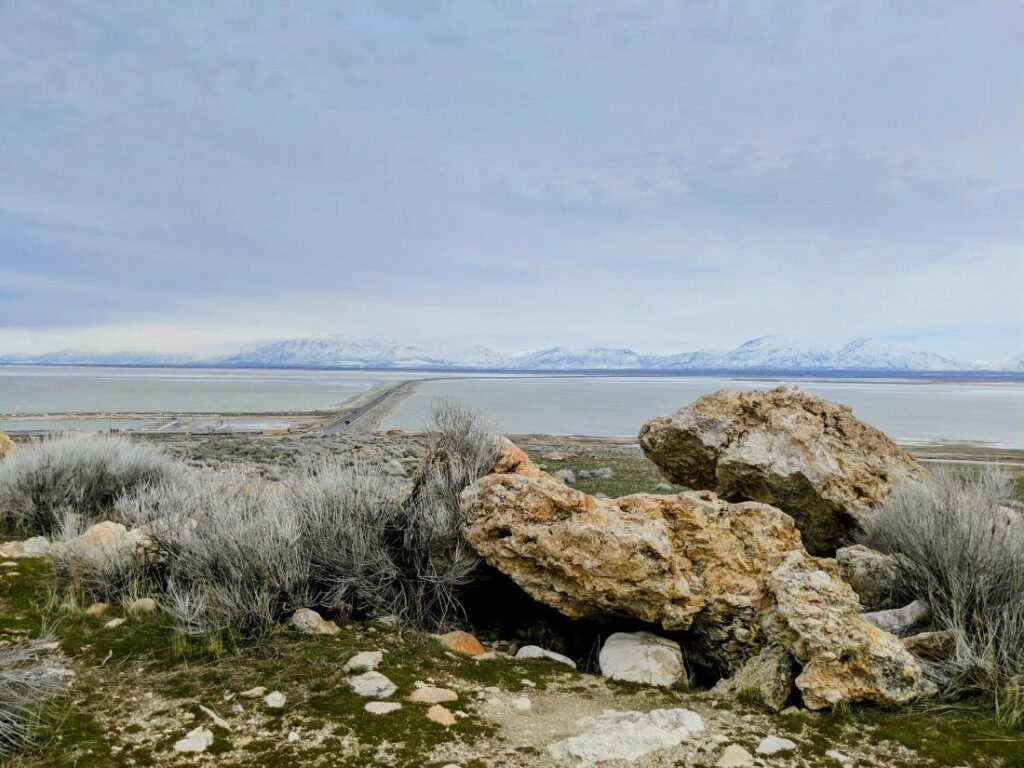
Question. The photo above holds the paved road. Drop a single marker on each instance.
(346, 420)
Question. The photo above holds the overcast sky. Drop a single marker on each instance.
(657, 175)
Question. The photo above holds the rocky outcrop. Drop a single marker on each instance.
(785, 447)
(6, 444)
(734, 575)
(874, 576)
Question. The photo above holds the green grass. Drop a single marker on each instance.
(633, 474)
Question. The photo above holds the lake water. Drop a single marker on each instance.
(988, 413)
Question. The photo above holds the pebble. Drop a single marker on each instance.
(196, 740)
(114, 623)
(366, 661)
(838, 756)
(440, 715)
(293, 736)
(274, 700)
(773, 744)
(735, 756)
(254, 693)
(382, 707)
(372, 685)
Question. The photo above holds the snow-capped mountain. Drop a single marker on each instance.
(766, 353)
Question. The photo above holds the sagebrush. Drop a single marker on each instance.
(28, 682)
(964, 556)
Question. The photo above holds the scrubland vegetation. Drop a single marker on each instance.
(963, 554)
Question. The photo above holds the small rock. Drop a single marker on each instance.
(254, 693)
(522, 704)
(142, 605)
(898, 621)
(462, 642)
(440, 715)
(293, 736)
(97, 609)
(838, 756)
(382, 707)
(366, 661)
(663, 487)
(217, 719)
(527, 682)
(274, 700)
(735, 756)
(114, 623)
(774, 744)
(642, 657)
(372, 685)
(309, 622)
(8, 564)
(196, 740)
(536, 652)
(431, 695)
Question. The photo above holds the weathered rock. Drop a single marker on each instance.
(462, 642)
(931, 646)
(536, 652)
(785, 447)
(7, 445)
(114, 623)
(101, 544)
(642, 657)
(626, 735)
(365, 661)
(429, 694)
(37, 546)
(441, 716)
(899, 621)
(309, 622)
(372, 685)
(274, 700)
(196, 740)
(97, 609)
(681, 561)
(734, 575)
(734, 756)
(843, 657)
(765, 679)
(254, 693)
(771, 745)
(142, 605)
(874, 576)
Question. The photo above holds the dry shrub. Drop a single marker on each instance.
(27, 684)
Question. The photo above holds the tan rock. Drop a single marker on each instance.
(7, 445)
(734, 575)
(931, 646)
(844, 658)
(806, 455)
(309, 622)
(428, 694)
(441, 715)
(462, 642)
(95, 609)
(874, 576)
(734, 756)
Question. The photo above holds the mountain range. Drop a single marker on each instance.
(766, 353)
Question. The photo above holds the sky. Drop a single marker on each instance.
(193, 176)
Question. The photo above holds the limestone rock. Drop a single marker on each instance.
(735, 756)
(37, 546)
(254, 693)
(874, 576)
(101, 544)
(899, 621)
(372, 685)
(428, 694)
(765, 679)
(274, 700)
(7, 445)
(642, 657)
(142, 605)
(309, 622)
(196, 740)
(626, 736)
(536, 652)
(843, 657)
(365, 661)
(463, 642)
(785, 447)
(441, 715)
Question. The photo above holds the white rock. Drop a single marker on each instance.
(367, 661)
(838, 756)
(293, 736)
(899, 621)
(522, 704)
(428, 694)
(735, 756)
(309, 622)
(642, 657)
(773, 744)
(382, 707)
(254, 693)
(372, 685)
(274, 700)
(536, 652)
(626, 735)
(114, 623)
(196, 740)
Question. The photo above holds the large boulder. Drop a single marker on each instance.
(6, 444)
(734, 575)
(642, 657)
(785, 447)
